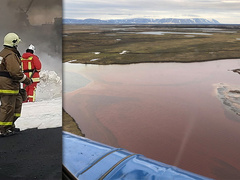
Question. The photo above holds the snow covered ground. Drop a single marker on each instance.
(46, 111)
(41, 114)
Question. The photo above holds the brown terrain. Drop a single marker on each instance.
(70, 125)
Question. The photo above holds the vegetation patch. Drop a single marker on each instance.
(81, 41)
(70, 125)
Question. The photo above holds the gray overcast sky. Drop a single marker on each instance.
(225, 11)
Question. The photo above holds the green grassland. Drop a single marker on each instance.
(80, 42)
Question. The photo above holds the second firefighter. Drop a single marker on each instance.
(31, 66)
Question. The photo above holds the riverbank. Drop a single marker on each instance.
(70, 125)
(119, 44)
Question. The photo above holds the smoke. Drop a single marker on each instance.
(7, 18)
(50, 63)
(38, 12)
(50, 86)
(45, 11)
(38, 23)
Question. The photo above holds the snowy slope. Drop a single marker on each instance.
(46, 111)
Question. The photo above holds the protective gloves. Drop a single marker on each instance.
(27, 81)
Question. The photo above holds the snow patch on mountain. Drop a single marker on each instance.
(142, 21)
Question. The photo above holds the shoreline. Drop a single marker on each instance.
(70, 125)
(142, 62)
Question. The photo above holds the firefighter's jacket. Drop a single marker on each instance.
(11, 74)
(31, 62)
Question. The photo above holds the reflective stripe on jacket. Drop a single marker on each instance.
(11, 65)
(29, 63)
(6, 123)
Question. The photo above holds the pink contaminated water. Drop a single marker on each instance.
(166, 111)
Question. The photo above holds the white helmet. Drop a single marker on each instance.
(31, 47)
(11, 39)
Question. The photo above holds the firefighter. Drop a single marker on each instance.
(31, 66)
(11, 76)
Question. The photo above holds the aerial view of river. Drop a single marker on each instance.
(169, 112)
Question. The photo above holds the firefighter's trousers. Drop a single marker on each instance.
(10, 110)
(31, 92)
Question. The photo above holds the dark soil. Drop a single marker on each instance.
(32, 154)
(70, 125)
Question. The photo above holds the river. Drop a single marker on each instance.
(169, 112)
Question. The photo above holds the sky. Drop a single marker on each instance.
(224, 11)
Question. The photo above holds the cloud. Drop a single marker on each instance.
(108, 9)
(230, 1)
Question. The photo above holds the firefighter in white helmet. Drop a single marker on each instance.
(31, 66)
(11, 76)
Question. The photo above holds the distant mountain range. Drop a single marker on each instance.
(142, 21)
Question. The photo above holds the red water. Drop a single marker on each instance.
(166, 111)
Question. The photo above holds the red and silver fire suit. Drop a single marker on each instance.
(31, 64)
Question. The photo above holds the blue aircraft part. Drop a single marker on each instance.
(89, 160)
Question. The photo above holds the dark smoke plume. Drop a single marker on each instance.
(37, 22)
